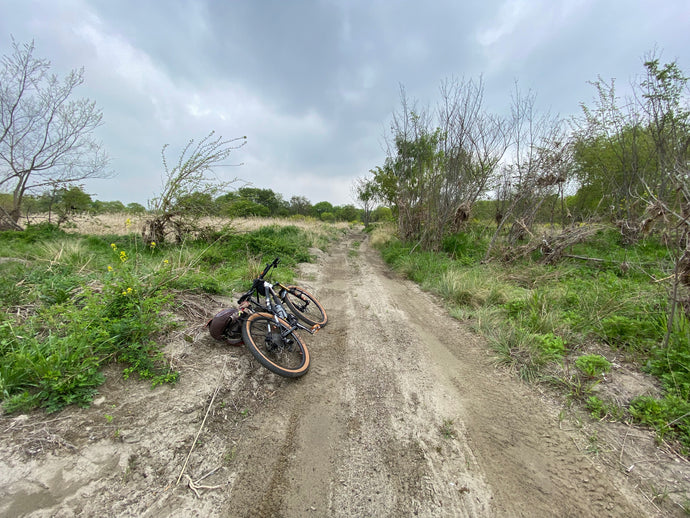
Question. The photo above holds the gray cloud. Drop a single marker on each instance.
(313, 83)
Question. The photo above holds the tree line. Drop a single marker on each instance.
(66, 202)
(624, 160)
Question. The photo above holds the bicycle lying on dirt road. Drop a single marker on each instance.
(267, 329)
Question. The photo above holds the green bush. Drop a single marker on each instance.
(54, 357)
(672, 363)
(464, 247)
(670, 417)
(626, 332)
(593, 365)
(549, 346)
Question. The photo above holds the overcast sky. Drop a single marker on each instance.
(313, 84)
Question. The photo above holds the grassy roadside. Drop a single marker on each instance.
(567, 325)
(73, 303)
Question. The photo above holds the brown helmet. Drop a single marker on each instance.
(225, 326)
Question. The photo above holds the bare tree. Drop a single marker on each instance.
(539, 168)
(473, 143)
(45, 136)
(441, 163)
(189, 179)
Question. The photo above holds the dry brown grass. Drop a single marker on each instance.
(382, 234)
(132, 223)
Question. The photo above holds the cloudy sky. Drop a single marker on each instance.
(313, 83)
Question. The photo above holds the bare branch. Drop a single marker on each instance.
(191, 176)
(45, 136)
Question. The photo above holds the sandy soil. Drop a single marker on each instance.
(402, 413)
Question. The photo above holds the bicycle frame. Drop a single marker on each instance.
(273, 304)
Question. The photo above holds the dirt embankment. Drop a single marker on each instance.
(401, 414)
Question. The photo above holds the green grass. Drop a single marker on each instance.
(72, 304)
(539, 318)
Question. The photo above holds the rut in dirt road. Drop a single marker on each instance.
(403, 414)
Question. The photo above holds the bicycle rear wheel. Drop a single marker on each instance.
(305, 306)
(276, 347)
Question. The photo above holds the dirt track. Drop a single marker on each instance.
(401, 414)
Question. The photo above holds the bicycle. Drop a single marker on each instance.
(301, 303)
(267, 329)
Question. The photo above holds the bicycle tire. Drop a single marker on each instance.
(287, 357)
(305, 306)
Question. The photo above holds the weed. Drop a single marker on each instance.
(659, 494)
(447, 430)
(573, 387)
(593, 446)
(229, 455)
(593, 365)
(600, 409)
(668, 416)
(549, 346)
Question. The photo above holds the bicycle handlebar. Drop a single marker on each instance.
(259, 280)
(274, 264)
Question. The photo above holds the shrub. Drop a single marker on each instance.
(629, 333)
(670, 417)
(464, 248)
(550, 346)
(593, 365)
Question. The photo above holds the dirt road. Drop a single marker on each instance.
(402, 414)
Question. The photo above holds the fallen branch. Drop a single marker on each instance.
(208, 410)
(584, 258)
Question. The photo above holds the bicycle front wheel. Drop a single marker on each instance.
(305, 306)
(276, 347)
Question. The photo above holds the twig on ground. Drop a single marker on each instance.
(194, 486)
(620, 457)
(208, 410)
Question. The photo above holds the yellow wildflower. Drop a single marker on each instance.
(128, 223)
(113, 246)
(123, 256)
(153, 244)
(110, 268)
